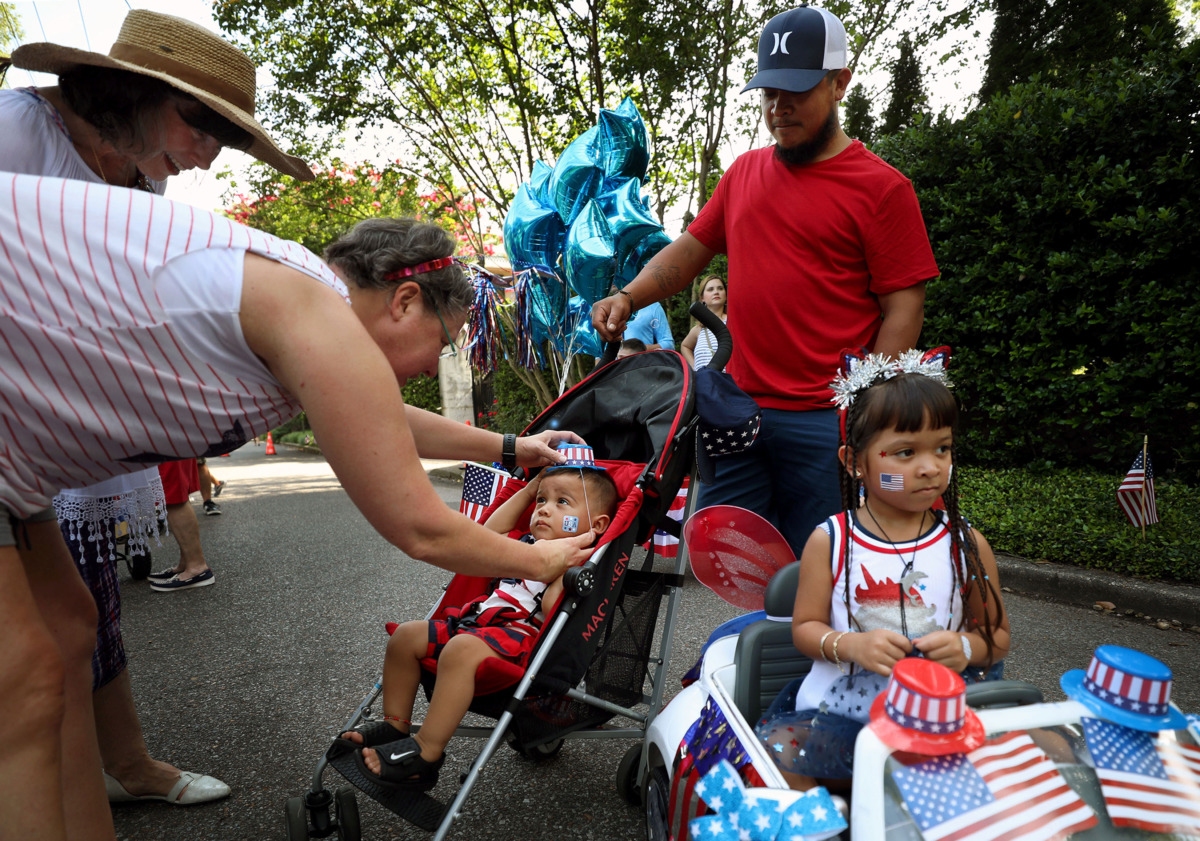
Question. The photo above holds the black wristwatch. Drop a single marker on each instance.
(508, 451)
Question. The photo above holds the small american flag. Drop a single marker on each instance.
(480, 486)
(1007, 789)
(666, 546)
(891, 481)
(1148, 782)
(1139, 480)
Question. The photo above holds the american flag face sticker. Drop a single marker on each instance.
(891, 481)
(570, 524)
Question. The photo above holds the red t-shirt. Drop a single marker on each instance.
(810, 248)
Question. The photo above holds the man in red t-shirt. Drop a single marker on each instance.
(827, 250)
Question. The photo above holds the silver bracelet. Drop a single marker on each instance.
(966, 644)
(821, 645)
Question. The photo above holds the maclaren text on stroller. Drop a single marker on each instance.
(596, 652)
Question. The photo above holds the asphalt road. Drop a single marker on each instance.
(249, 679)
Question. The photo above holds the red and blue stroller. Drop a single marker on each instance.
(595, 659)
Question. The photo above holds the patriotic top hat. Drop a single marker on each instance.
(924, 710)
(578, 455)
(1126, 687)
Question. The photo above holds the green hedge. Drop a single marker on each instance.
(1072, 516)
(1063, 216)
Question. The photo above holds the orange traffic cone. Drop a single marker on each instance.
(270, 445)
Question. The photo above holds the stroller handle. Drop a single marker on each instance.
(704, 315)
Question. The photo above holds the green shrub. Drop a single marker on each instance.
(424, 393)
(1072, 516)
(1062, 215)
(303, 437)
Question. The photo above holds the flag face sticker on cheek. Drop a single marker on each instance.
(571, 524)
(891, 481)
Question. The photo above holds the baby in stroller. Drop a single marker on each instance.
(569, 498)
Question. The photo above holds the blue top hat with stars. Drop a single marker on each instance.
(1126, 687)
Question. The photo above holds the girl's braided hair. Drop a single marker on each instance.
(909, 402)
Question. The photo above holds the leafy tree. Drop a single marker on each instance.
(1051, 37)
(857, 119)
(1060, 215)
(10, 34)
(908, 100)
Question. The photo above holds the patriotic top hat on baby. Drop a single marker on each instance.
(1126, 687)
(578, 455)
(924, 710)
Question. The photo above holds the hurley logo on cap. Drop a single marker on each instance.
(797, 48)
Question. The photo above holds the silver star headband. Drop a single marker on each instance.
(858, 372)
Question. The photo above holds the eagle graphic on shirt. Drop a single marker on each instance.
(879, 604)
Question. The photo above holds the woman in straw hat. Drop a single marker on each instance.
(167, 97)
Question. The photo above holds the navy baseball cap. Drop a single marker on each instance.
(797, 48)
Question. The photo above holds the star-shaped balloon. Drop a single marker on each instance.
(534, 234)
(588, 256)
(628, 219)
(623, 142)
(539, 183)
(578, 175)
(762, 814)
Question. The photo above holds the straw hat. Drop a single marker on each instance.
(187, 57)
(1126, 687)
(924, 710)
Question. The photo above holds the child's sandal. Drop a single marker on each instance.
(375, 732)
(401, 766)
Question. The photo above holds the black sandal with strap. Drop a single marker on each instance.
(374, 732)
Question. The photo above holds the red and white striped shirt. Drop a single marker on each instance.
(98, 375)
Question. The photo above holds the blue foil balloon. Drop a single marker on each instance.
(627, 217)
(588, 256)
(577, 176)
(539, 183)
(624, 148)
(533, 233)
(640, 256)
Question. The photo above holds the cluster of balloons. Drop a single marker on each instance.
(580, 228)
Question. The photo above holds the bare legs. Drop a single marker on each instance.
(452, 693)
(49, 759)
(122, 747)
(181, 519)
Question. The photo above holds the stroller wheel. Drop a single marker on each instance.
(297, 819)
(657, 802)
(627, 773)
(139, 565)
(538, 753)
(348, 826)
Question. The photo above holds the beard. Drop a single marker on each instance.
(804, 152)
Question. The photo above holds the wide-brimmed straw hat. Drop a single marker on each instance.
(187, 57)
(924, 710)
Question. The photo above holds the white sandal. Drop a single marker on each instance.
(188, 790)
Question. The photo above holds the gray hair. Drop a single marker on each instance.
(374, 248)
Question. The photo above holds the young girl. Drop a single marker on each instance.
(891, 576)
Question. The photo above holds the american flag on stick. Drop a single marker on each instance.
(1136, 493)
(666, 546)
(1149, 781)
(1007, 789)
(480, 486)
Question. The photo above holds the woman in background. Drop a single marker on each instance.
(700, 343)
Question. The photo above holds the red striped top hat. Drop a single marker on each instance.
(924, 710)
(1126, 687)
(578, 455)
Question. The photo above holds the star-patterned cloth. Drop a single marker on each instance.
(760, 814)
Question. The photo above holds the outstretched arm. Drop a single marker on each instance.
(320, 352)
(440, 437)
